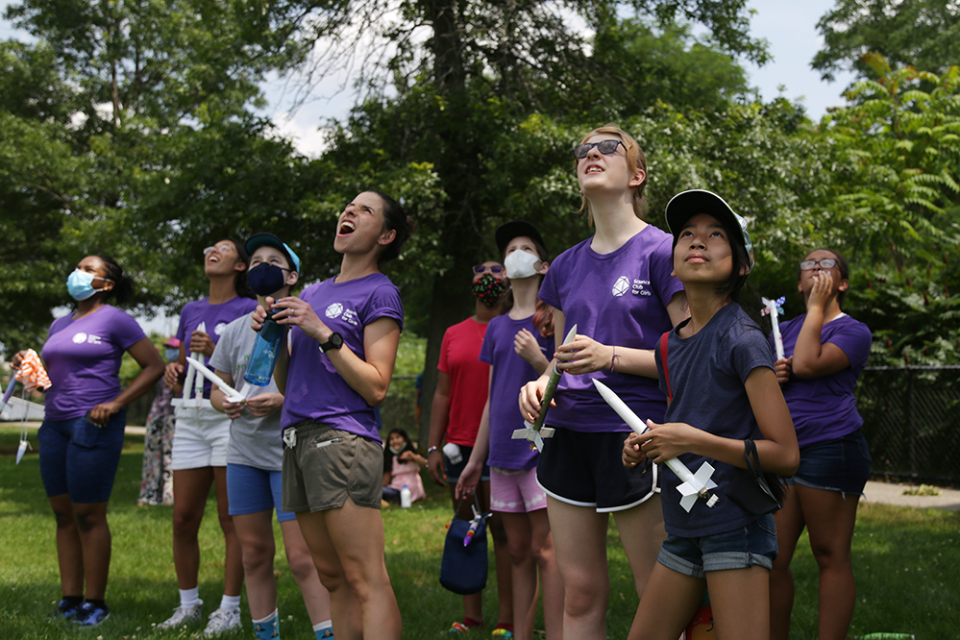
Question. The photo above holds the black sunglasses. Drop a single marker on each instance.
(606, 147)
(826, 263)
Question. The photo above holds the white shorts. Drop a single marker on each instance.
(200, 438)
(515, 491)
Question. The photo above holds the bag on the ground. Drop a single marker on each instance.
(464, 567)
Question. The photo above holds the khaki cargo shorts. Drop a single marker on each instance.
(323, 465)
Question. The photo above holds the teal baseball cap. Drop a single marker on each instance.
(263, 239)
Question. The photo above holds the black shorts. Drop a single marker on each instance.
(586, 470)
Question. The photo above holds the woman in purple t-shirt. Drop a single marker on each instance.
(617, 289)
(825, 352)
(82, 433)
(337, 370)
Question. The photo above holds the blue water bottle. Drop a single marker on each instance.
(263, 358)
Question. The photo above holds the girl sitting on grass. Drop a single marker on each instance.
(401, 467)
(720, 370)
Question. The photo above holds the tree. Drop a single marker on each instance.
(128, 132)
(40, 179)
(924, 34)
(640, 65)
(896, 206)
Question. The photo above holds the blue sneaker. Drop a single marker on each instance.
(90, 615)
(66, 610)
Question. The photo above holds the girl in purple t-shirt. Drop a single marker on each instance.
(617, 289)
(717, 369)
(201, 434)
(338, 369)
(82, 433)
(825, 352)
(515, 349)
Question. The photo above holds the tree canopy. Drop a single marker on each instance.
(924, 34)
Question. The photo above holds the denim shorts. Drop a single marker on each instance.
(841, 465)
(453, 471)
(741, 548)
(252, 490)
(79, 458)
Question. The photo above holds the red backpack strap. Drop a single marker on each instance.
(663, 360)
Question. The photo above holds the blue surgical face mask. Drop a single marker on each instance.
(80, 285)
(172, 354)
(266, 279)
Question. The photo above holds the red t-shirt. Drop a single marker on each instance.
(469, 379)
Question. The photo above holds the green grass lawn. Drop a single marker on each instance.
(905, 562)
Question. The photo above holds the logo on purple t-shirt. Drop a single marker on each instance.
(220, 327)
(80, 337)
(621, 286)
(334, 310)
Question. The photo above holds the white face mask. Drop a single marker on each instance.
(521, 264)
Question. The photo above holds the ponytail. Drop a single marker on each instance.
(123, 289)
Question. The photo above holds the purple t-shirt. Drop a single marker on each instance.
(315, 389)
(82, 358)
(216, 317)
(510, 373)
(825, 408)
(620, 299)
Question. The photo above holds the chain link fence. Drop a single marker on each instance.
(911, 419)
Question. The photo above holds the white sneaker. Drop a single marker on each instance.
(222, 620)
(183, 616)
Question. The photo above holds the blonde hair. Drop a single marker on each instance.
(636, 159)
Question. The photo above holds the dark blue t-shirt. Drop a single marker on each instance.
(707, 373)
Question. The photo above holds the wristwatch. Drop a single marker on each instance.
(335, 342)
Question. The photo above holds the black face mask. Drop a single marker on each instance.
(489, 289)
(266, 279)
